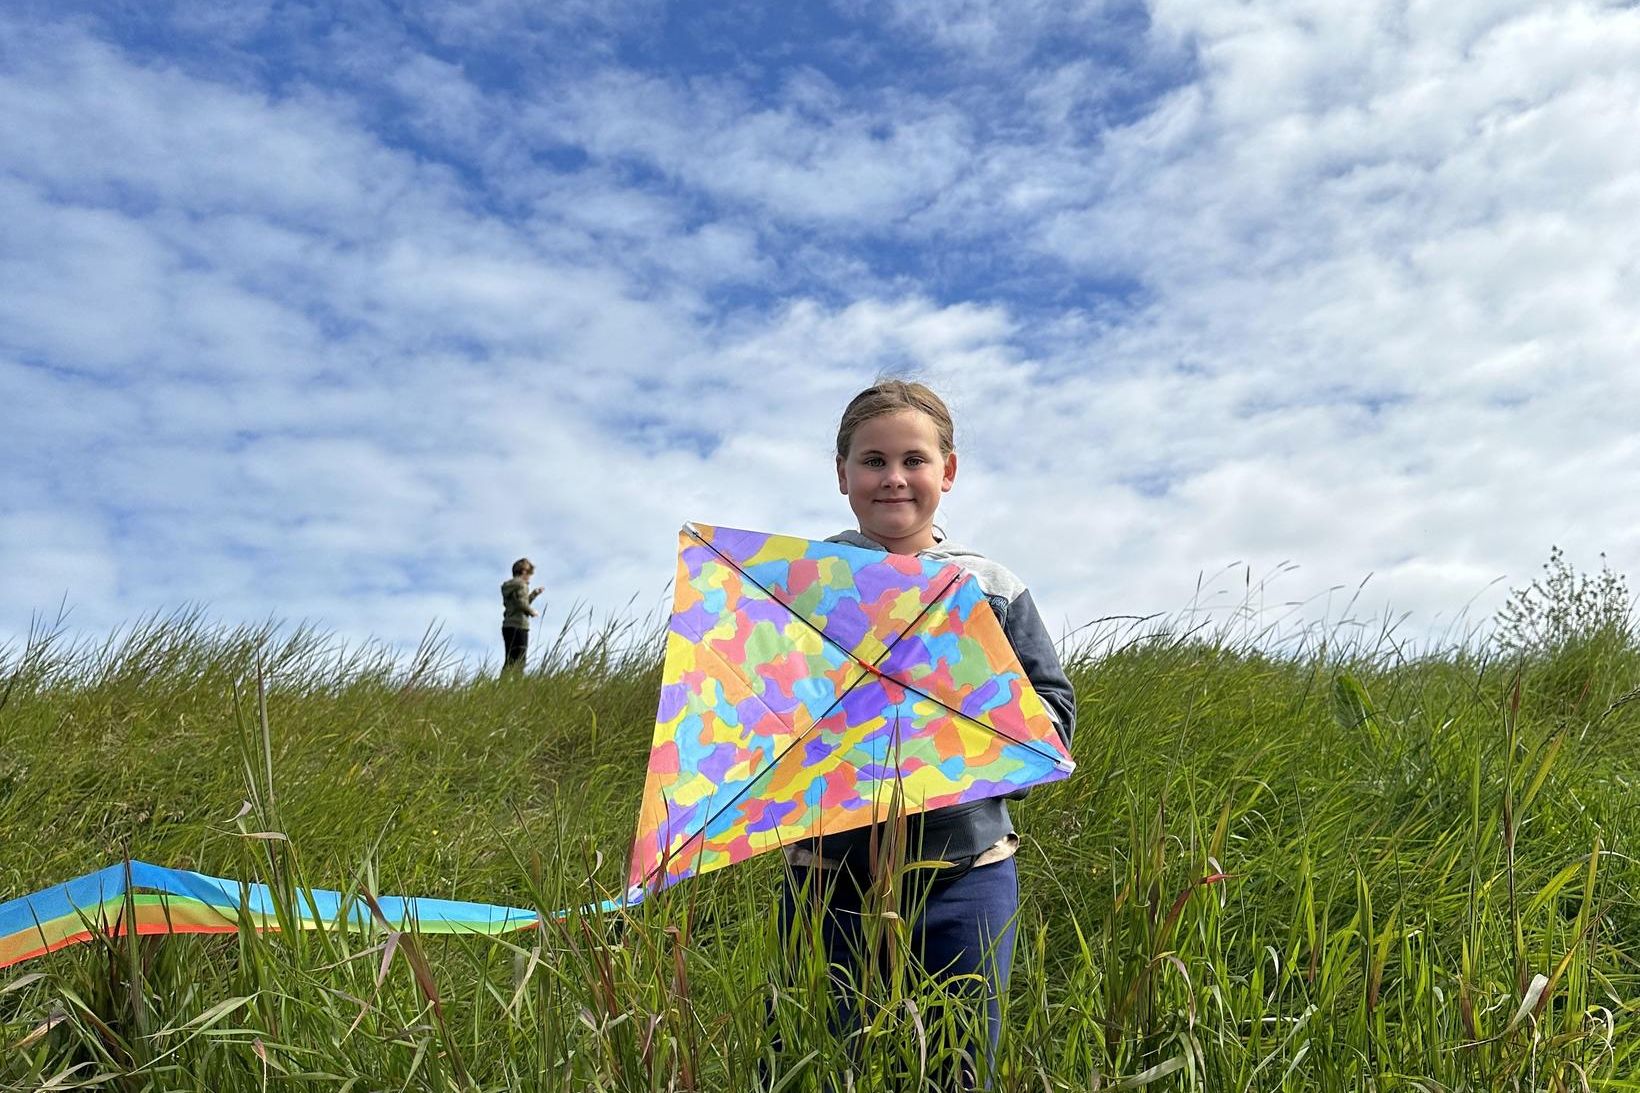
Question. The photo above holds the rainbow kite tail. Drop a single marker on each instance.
(151, 899)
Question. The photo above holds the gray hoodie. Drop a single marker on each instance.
(963, 831)
(515, 603)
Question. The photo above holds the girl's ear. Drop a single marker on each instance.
(842, 477)
(949, 478)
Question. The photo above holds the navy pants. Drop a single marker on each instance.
(964, 926)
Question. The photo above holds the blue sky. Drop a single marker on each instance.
(328, 311)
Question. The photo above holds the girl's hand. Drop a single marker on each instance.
(534, 592)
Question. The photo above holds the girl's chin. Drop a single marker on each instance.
(894, 529)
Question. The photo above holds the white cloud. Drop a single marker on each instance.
(1376, 266)
(804, 159)
(520, 22)
(1394, 281)
(994, 31)
(78, 556)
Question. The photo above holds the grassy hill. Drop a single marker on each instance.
(1431, 880)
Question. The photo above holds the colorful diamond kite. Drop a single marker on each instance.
(805, 681)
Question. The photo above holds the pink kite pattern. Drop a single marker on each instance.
(805, 680)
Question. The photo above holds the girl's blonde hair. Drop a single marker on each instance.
(890, 397)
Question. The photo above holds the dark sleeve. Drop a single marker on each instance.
(1029, 637)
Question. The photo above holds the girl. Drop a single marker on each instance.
(896, 458)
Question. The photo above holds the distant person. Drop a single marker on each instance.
(516, 613)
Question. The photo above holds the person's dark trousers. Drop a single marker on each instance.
(966, 927)
(515, 643)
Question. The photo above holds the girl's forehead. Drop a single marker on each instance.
(902, 429)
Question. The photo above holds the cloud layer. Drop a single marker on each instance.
(329, 316)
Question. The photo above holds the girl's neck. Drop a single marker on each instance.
(914, 544)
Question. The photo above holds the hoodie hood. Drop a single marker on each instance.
(994, 579)
(943, 550)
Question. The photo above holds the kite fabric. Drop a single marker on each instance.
(808, 684)
(176, 901)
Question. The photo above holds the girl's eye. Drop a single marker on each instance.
(874, 461)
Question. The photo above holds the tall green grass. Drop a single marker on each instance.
(1340, 866)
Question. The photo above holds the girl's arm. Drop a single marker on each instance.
(1029, 636)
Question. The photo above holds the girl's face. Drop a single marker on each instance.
(893, 477)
